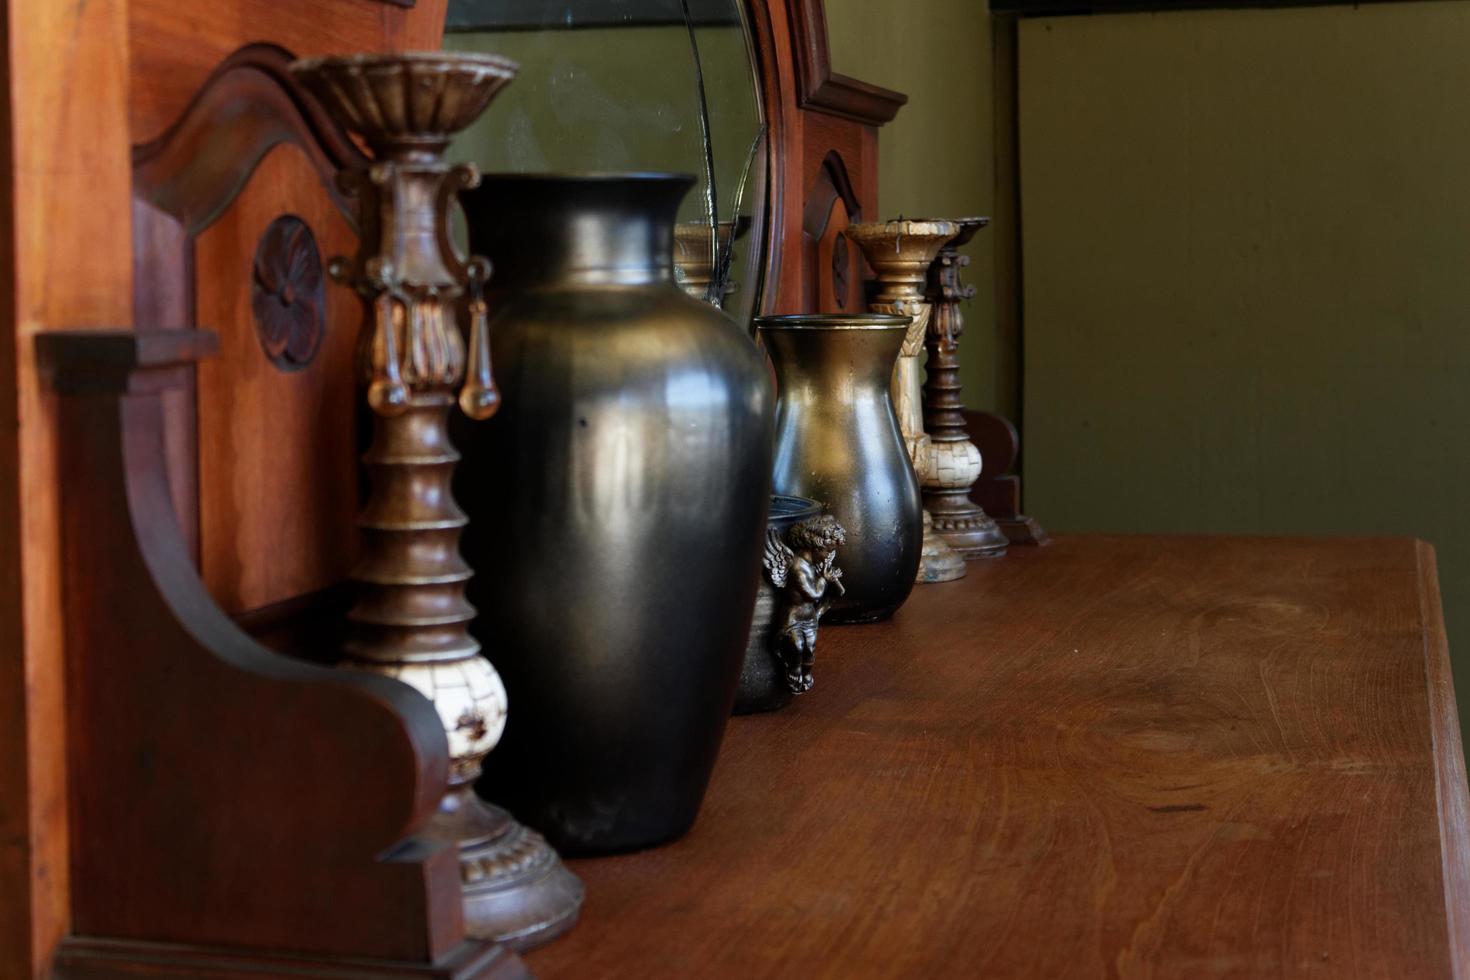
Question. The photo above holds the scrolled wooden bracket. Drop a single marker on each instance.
(998, 491)
(233, 813)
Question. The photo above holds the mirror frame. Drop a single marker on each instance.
(822, 147)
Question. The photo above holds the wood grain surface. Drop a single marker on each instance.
(277, 457)
(63, 139)
(1116, 757)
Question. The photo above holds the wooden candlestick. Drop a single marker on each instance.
(955, 462)
(411, 619)
(901, 252)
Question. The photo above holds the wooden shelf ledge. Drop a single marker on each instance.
(1132, 756)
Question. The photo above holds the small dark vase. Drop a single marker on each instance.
(617, 508)
(763, 684)
(838, 441)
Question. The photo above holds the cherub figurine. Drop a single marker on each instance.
(802, 566)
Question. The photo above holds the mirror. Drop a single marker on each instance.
(617, 85)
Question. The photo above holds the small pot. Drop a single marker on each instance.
(763, 684)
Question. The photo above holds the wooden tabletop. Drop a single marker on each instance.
(1112, 757)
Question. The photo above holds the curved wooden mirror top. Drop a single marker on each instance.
(636, 85)
(824, 151)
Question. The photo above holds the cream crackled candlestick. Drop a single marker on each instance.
(954, 461)
(900, 252)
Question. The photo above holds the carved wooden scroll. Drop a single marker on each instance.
(233, 813)
(834, 282)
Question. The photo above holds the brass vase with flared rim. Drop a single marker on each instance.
(838, 442)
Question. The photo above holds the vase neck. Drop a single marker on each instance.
(841, 363)
(591, 230)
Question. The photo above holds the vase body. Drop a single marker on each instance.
(838, 442)
(619, 502)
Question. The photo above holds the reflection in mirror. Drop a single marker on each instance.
(619, 85)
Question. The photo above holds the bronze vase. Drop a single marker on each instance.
(617, 508)
(838, 441)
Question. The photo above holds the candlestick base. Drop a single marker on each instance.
(965, 526)
(516, 889)
(938, 562)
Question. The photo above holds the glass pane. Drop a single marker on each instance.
(634, 85)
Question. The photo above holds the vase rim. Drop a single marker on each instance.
(588, 177)
(788, 507)
(834, 321)
(370, 59)
(954, 221)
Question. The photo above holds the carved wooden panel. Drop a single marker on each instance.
(254, 456)
(262, 460)
(288, 296)
(834, 269)
(277, 456)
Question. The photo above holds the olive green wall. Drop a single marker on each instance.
(1247, 275)
(936, 159)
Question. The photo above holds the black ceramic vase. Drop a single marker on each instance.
(617, 508)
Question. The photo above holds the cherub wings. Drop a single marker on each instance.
(778, 558)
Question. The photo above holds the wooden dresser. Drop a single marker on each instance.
(1113, 757)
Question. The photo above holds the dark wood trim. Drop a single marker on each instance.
(23, 914)
(820, 88)
(472, 16)
(833, 184)
(1005, 229)
(1073, 8)
(998, 491)
(768, 63)
(90, 958)
(306, 627)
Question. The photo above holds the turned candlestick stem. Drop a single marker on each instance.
(901, 252)
(411, 619)
(955, 462)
